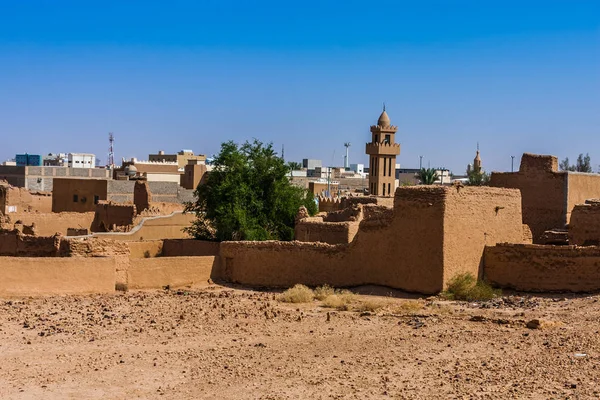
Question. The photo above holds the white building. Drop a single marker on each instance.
(358, 168)
(81, 160)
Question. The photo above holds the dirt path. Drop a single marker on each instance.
(222, 343)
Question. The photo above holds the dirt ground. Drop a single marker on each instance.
(229, 343)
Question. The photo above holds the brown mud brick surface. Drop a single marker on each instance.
(225, 343)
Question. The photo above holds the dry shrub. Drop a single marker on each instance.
(411, 306)
(297, 294)
(442, 309)
(322, 292)
(372, 305)
(341, 300)
(467, 287)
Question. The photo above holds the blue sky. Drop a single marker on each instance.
(515, 76)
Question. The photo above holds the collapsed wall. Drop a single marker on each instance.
(17, 199)
(16, 244)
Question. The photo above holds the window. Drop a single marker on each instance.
(390, 167)
(387, 139)
(383, 189)
(389, 189)
(384, 161)
(75, 198)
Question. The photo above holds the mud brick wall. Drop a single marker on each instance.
(543, 268)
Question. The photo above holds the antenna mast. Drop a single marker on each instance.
(111, 152)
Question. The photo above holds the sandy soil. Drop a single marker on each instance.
(225, 343)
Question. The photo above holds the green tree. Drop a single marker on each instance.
(427, 176)
(294, 166)
(478, 178)
(583, 164)
(247, 196)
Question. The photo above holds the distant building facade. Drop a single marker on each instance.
(41, 178)
(181, 158)
(23, 160)
(81, 160)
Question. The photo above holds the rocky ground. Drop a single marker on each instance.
(225, 343)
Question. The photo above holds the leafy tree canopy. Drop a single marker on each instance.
(247, 196)
(478, 178)
(427, 176)
(294, 166)
(583, 164)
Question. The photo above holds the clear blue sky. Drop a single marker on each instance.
(515, 76)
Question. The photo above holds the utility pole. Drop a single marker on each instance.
(512, 163)
(420, 162)
(346, 159)
(111, 151)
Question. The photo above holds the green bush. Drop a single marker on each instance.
(466, 287)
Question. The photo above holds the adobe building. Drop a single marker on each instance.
(548, 195)
(193, 174)
(78, 195)
(152, 171)
(16, 200)
(382, 152)
(181, 158)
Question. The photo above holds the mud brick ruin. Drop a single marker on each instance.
(416, 240)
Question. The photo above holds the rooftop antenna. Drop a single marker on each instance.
(346, 159)
(111, 151)
(383, 106)
(282, 153)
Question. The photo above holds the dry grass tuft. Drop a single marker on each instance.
(297, 294)
(372, 305)
(322, 292)
(442, 309)
(341, 300)
(467, 287)
(411, 306)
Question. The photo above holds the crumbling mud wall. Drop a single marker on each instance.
(30, 276)
(17, 199)
(540, 268)
(14, 243)
(174, 272)
(406, 250)
(584, 228)
(110, 217)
